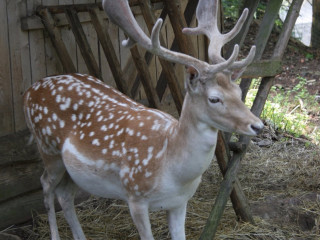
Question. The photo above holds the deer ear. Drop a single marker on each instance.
(237, 73)
(192, 80)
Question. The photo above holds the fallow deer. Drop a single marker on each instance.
(92, 136)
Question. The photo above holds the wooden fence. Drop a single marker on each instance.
(27, 53)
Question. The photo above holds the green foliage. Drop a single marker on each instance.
(288, 111)
(231, 8)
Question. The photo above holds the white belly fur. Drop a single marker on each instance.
(105, 181)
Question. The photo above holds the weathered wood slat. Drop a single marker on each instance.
(53, 65)
(18, 179)
(226, 187)
(82, 42)
(37, 47)
(167, 67)
(6, 103)
(22, 208)
(145, 78)
(238, 198)
(14, 149)
(178, 22)
(20, 60)
(67, 36)
(109, 51)
(188, 13)
(263, 68)
(57, 42)
(264, 32)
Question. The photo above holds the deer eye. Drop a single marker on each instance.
(214, 100)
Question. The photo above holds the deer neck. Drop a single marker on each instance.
(192, 146)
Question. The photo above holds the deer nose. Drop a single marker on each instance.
(257, 127)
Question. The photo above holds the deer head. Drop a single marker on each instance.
(209, 85)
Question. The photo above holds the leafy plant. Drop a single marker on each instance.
(288, 111)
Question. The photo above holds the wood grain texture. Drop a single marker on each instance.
(6, 98)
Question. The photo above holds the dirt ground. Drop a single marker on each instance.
(281, 181)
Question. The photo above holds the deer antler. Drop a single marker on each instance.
(207, 15)
(120, 13)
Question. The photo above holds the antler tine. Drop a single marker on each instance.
(245, 62)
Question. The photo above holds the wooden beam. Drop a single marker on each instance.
(178, 22)
(82, 42)
(108, 49)
(167, 67)
(145, 78)
(188, 14)
(222, 198)
(263, 68)
(264, 32)
(56, 40)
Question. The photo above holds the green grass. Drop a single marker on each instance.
(289, 111)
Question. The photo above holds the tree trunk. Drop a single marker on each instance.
(315, 34)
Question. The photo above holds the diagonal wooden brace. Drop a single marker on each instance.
(82, 42)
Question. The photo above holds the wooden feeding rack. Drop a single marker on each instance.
(229, 154)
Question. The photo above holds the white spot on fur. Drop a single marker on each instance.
(61, 124)
(96, 142)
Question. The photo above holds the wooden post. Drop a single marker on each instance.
(82, 42)
(108, 50)
(56, 40)
(222, 198)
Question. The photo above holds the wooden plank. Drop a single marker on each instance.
(53, 65)
(37, 46)
(263, 68)
(167, 67)
(34, 22)
(90, 39)
(226, 187)
(82, 42)
(109, 51)
(20, 59)
(178, 22)
(238, 198)
(264, 32)
(266, 26)
(21, 208)
(6, 98)
(57, 43)
(14, 149)
(145, 78)
(18, 179)
(67, 35)
(188, 14)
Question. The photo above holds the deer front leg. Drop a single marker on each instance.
(140, 215)
(176, 219)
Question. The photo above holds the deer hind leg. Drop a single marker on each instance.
(50, 178)
(65, 192)
(140, 215)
